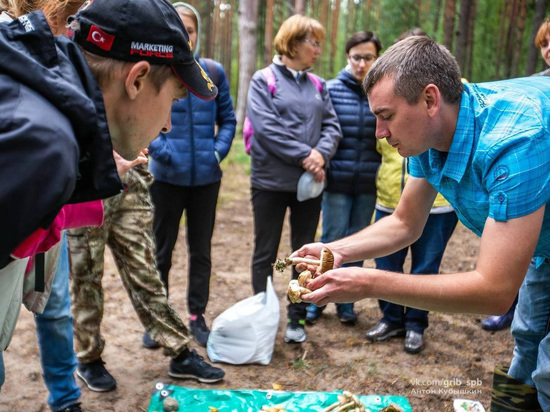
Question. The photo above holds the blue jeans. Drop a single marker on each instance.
(344, 214)
(426, 255)
(530, 329)
(55, 339)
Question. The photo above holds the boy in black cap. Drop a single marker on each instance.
(60, 109)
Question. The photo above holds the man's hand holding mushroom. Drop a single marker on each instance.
(343, 285)
(309, 257)
(299, 287)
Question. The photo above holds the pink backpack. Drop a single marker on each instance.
(248, 131)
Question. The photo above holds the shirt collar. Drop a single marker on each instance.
(295, 74)
(463, 141)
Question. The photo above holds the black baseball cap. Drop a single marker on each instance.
(136, 30)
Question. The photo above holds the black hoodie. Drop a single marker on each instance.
(55, 146)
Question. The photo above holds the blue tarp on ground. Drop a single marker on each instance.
(225, 400)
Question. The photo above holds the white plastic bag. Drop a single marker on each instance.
(245, 333)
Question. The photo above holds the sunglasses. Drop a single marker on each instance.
(369, 58)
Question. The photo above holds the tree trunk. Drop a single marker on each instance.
(248, 17)
(214, 32)
(522, 6)
(470, 44)
(367, 13)
(510, 38)
(501, 37)
(300, 6)
(334, 35)
(206, 27)
(462, 34)
(449, 23)
(534, 53)
(229, 39)
(268, 32)
(325, 8)
(350, 20)
(437, 16)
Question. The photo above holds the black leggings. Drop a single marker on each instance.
(269, 213)
(199, 202)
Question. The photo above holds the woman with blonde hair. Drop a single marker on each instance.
(295, 131)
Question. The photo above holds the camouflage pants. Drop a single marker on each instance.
(127, 230)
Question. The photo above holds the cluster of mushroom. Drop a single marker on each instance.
(347, 402)
(297, 288)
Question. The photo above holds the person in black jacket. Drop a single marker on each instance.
(350, 195)
(63, 102)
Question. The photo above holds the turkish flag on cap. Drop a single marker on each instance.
(100, 38)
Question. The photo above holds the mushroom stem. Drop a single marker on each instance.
(296, 260)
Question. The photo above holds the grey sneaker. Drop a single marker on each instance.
(95, 376)
(295, 332)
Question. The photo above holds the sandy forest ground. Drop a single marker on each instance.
(334, 357)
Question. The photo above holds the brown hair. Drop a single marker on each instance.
(413, 63)
(544, 29)
(294, 30)
(363, 37)
(106, 69)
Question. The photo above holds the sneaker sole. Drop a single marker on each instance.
(187, 376)
(95, 388)
(350, 322)
(412, 351)
(295, 341)
(394, 334)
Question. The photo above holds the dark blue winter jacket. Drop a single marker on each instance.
(55, 146)
(190, 154)
(353, 168)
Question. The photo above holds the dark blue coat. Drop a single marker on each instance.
(353, 168)
(187, 155)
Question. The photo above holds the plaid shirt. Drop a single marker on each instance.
(498, 164)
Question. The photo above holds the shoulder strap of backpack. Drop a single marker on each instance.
(316, 81)
(271, 81)
(212, 70)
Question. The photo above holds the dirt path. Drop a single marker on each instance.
(334, 357)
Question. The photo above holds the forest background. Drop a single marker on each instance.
(491, 39)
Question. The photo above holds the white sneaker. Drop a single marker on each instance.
(295, 333)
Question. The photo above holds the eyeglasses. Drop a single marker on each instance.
(369, 58)
(314, 43)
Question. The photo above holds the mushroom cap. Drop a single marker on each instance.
(327, 260)
(304, 278)
(295, 291)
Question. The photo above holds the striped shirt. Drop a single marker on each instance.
(498, 164)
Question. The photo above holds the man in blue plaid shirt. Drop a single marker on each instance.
(486, 148)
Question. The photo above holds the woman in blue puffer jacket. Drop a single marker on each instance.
(186, 167)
